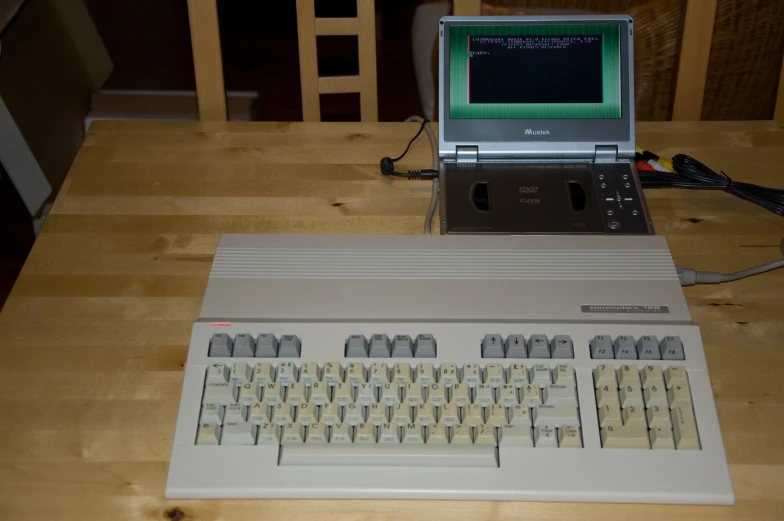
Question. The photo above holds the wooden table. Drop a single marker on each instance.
(95, 334)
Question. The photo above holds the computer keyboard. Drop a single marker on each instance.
(309, 379)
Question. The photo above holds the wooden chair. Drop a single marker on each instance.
(365, 83)
(207, 60)
(695, 53)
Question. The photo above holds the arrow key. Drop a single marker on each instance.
(492, 347)
(562, 347)
(538, 346)
(515, 347)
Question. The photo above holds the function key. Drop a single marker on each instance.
(648, 348)
(672, 348)
(379, 346)
(220, 345)
(601, 347)
(402, 347)
(356, 346)
(515, 347)
(290, 346)
(492, 346)
(625, 348)
(425, 346)
(244, 345)
(266, 346)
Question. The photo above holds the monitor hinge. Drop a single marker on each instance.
(606, 154)
(467, 154)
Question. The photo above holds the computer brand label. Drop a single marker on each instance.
(604, 308)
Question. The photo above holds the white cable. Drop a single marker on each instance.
(689, 277)
(434, 193)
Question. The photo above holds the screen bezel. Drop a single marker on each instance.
(568, 137)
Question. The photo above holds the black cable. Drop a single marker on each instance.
(388, 165)
(690, 173)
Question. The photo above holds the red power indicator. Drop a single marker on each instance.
(221, 324)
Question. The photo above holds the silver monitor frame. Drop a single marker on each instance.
(505, 139)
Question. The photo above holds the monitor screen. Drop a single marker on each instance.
(534, 72)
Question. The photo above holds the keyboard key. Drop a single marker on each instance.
(414, 394)
(401, 374)
(241, 373)
(263, 374)
(235, 413)
(379, 346)
(266, 346)
(607, 395)
(413, 433)
(436, 435)
(652, 375)
(675, 375)
(274, 393)
(238, 433)
(628, 375)
(679, 395)
(208, 434)
(269, 434)
(472, 375)
(330, 414)
(564, 375)
(365, 433)
(309, 373)
(259, 413)
(631, 396)
(507, 395)
(648, 348)
(425, 414)
(293, 433)
(353, 414)
(356, 346)
(402, 347)
(425, 346)
(672, 348)
(472, 415)
(538, 346)
(244, 346)
(220, 393)
(449, 414)
(425, 374)
(282, 413)
(332, 373)
(460, 435)
(515, 436)
(531, 395)
(485, 435)
(448, 374)
(355, 374)
(520, 415)
(220, 345)
(555, 394)
(211, 413)
(401, 414)
(609, 414)
(436, 394)
(316, 433)
(569, 437)
(319, 393)
(378, 414)
(496, 415)
(217, 373)
(390, 394)
(492, 346)
(343, 394)
(378, 374)
(625, 347)
(659, 416)
(661, 438)
(540, 375)
(494, 375)
(684, 427)
(601, 347)
(617, 436)
(483, 395)
(390, 455)
(555, 415)
(545, 436)
(634, 414)
(561, 347)
(655, 395)
(366, 394)
(515, 347)
(289, 346)
(604, 375)
(517, 375)
(388, 434)
(296, 394)
(287, 373)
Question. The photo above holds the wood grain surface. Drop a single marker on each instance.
(95, 334)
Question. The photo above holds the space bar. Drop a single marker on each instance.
(388, 455)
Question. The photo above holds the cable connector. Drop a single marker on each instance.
(690, 277)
